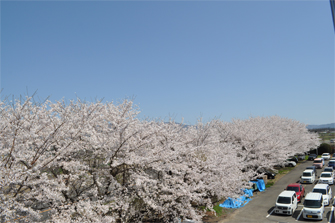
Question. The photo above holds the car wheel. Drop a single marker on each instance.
(290, 165)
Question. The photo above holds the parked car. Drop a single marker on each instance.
(312, 168)
(326, 192)
(326, 178)
(286, 203)
(325, 156)
(329, 169)
(312, 156)
(318, 163)
(293, 158)
(298, 189)
(289, 163)
(301, 156)
(331, 163)
(333, 154)
(313, 206)
(268, 172)
(308, 176)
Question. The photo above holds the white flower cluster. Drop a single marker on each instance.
(97, 162)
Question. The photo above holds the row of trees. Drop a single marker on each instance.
(98, 162)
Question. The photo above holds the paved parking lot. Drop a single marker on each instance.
(260, 208)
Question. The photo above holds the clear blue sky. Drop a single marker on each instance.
(190, 59)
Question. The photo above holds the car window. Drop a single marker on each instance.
(296, 189)
(284, 200)
(326, 174)
(313, 203)
(319, 190)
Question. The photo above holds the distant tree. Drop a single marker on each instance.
(324, 148)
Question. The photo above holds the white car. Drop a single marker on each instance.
(286, 203)
(326, 178)
(326, 192)
(313, 206)
(289, 163)
(325, 156)
(308, 176)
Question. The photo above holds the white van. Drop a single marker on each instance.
(286, 203)
(308, 176)
(313, 206)
(326, 192)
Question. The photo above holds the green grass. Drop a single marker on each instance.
(218, 210)
(327, 136)
(269, 184)
(285, 170)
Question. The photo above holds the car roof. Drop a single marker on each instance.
(329, 167)
(325, 153)
(318, 159)
(321, 186)
(308, 170)
(313, 196)
(310, 167)
(286, 193)
(294, 185)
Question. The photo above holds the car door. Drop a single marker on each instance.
(330, 193)
(313, 177)
(295, 202)
(302, 192)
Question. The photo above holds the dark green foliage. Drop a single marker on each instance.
(324, 148)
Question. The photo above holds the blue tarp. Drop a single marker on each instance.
(260, 184)
(248, 192)
(238, 202)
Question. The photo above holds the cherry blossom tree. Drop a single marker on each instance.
(97, 162)
(267, 141)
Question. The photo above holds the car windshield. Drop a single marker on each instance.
(307, 174)
(284, 200)
(312, 203)
(296, 189)
(331, 162)
(328, 170)
(326, 175)
(310, 167)
(318, 161)
(325, 154)
(318, 190)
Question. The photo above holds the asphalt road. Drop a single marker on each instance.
(260, 208)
